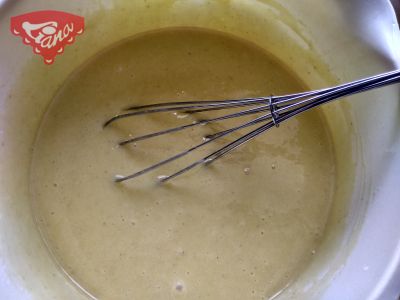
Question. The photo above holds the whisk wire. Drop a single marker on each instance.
(274, 110)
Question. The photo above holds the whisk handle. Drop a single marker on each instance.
(320, 97)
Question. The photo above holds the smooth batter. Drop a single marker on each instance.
(242, 228)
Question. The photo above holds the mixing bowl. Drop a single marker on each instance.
(324, 42)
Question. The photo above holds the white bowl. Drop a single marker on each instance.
(354, 38)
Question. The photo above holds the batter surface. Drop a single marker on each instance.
(242, 228)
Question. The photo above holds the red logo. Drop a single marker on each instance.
(47, 31)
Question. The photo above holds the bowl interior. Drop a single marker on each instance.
(348, 46)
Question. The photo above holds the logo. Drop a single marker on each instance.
(47, 31)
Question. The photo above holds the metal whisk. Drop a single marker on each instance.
(274, 110)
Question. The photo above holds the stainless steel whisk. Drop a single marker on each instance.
(274, 109)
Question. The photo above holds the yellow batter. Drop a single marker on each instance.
(242, 228)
